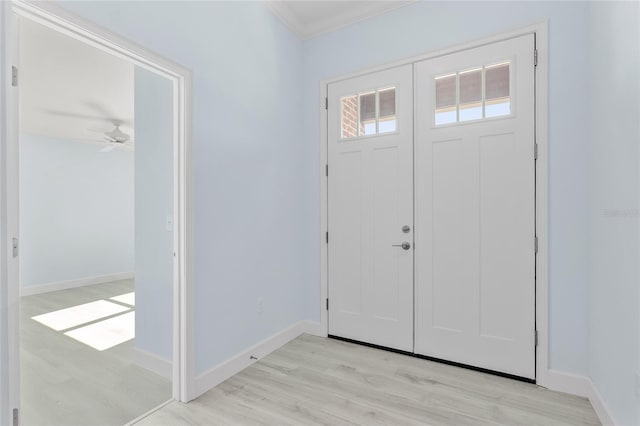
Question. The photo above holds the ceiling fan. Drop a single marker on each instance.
(114, 137)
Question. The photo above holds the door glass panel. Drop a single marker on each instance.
(497, 93)
(350, 117)
(471, 95)
(446, 111)
(368, 114)
(482, 92)
(387, 114)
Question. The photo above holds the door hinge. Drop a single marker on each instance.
(14, 76)
(327, 304)
(327, 236)
(535, 151)
(535, 338)
(326, 103)
(326, 170)
(16, 417)
(15, 246)
(535, 244)
(535, 57)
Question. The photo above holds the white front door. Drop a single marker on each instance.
(370, 200)
(475, 211)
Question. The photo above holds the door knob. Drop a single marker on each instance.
(406, 229)
(405, 245)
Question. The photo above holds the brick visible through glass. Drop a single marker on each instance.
(350, 117)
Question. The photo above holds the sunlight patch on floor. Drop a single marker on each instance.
(127, 298)
(81, 314)
(108, 333)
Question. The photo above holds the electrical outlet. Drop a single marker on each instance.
(260, 307)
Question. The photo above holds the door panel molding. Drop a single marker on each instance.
(475, 217)
(370, 200)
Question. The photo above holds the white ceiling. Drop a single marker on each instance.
(308, 18)
(68, 87)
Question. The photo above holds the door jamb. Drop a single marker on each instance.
(59, 19)
(542, 170)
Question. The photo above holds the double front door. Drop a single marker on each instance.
(431, 212)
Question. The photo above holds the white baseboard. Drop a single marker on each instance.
(312, 327)
(600, 406)
(154, 363)
(64, 285)
(575, 384)
(221, 372)
(562, 381)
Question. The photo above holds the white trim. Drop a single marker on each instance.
(324, 214)
(313, 328)
(542, 170)
(226, 369)
(148, 413)
(9, 266)
(600, 406)
(59, 19)
(575, 384)
(335, 21)
(154, 363)
(542, 201)
(80, 282)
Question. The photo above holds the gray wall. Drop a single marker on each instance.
(614, 305)
(76, 211)
(153, 100)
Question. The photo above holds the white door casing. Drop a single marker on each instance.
(59, 19)
(475, 220)
(10, 220)
(370, 199)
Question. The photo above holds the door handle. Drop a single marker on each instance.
(405, 245)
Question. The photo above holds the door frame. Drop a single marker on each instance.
(83, 30)
(540, 30)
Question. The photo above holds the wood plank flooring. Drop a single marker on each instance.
(318, 381)
(67, 383)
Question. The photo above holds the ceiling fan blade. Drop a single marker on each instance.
(74, 115)
(108, 115)
(107, 148)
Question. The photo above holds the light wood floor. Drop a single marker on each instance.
(313, 380)
(66, 383)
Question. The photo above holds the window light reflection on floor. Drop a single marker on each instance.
(64, 319)
(106, 334)
(127, 299)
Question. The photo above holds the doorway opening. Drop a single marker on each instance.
(99, 291)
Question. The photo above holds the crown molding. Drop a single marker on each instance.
(308, 30)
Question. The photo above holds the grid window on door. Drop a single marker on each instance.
(369, 113)
(473, 94)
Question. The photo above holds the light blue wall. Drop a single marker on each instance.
(249, 159)
(256, 158)
(428, 26)
(615, 252)
(153, 100)
(76, 211)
